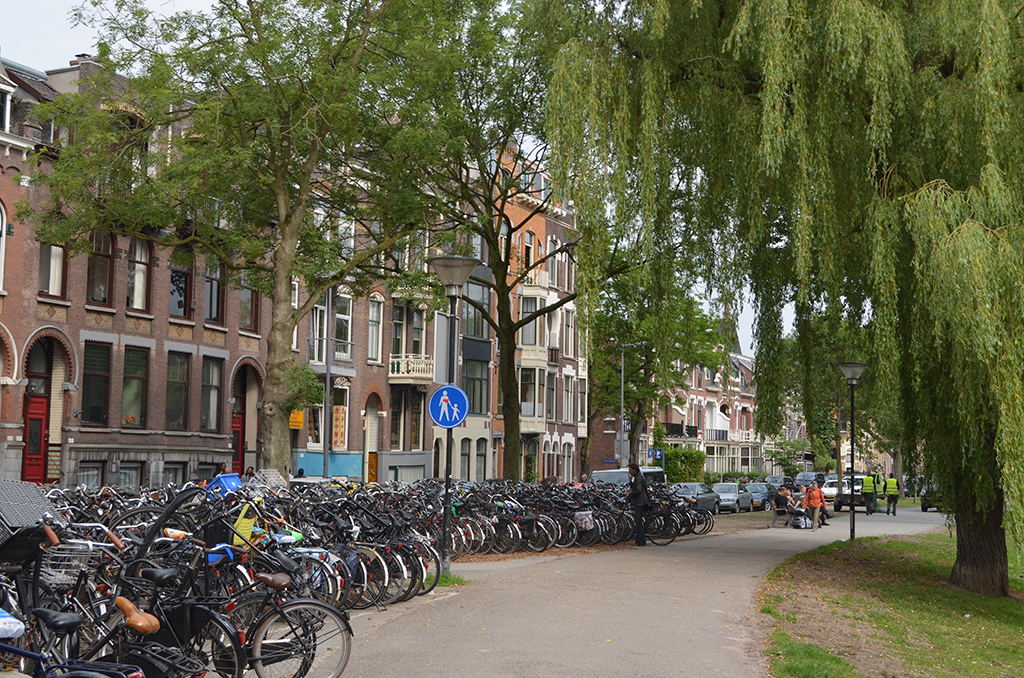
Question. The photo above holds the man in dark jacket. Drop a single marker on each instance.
(637, 498)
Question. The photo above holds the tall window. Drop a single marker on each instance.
(315, 426)
(181, 285)
(473, 323)
(100, 280)
(135, 382)
(475, 383)
(343, 328)
(570, 333)
(138, 275)
(527, 391)
(295, 304)
(95, 384)
(51, 270)
(541, 375)
(568, 410)
(209, 417)
(214, 309)
(3, 215)
(416, 439)
(464, 466)
(397, 407)
(481, 458)
(417, 332)
(528, 306)
(374, 338)
(528, 250)
(551, 397)
(248, 310)
(583, 401)
(398, 330)
(176, 404)
(318, 331)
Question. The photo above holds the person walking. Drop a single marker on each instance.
(867, 490)
(892, 494)
(814, 500)
(637, 498)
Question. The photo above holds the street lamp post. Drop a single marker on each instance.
(852, 372)
(453, 272)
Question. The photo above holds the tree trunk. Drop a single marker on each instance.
(511, 408)
(981, 563)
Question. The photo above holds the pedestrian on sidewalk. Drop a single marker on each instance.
(892, 494)
(638, 499)
(867, 490)
(814, 501)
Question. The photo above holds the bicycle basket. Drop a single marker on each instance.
(584, 520)
(62, 562)
(244, 524)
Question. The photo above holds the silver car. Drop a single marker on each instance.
(734, 497)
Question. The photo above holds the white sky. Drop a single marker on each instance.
(42, 38)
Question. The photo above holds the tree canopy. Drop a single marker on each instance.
(859, 155)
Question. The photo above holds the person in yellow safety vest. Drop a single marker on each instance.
(892, 494)
(867, 490)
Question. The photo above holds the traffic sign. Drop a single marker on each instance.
(658, 451)
(448, 406)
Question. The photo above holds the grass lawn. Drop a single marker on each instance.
(882, 607)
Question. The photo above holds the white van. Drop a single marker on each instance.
(619, 476)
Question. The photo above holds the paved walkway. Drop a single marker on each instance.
(682, 610)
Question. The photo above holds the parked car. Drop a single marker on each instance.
(782, 481)
(804, 479)
(734, 497)
(763, 494)
(702, 492)
(931, 498)
(830, 489)
(619, 476)
(844, 498)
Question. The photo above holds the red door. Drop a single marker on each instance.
(238, 440)
(36, 415)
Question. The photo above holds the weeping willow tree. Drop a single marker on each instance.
(857, 157)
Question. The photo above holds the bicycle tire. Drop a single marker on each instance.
(431, 563)
(301, 637)
(567, 532)
(212, 640)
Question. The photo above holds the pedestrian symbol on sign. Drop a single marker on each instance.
(448, 406)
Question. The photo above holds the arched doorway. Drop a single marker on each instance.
(45, 370)
(245, 393)
(371, 436)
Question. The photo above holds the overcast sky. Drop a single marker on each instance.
(42, 38)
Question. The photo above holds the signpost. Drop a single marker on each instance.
(448, 406)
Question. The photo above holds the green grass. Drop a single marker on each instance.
(932, 628)
(449, 579)
(806, 660)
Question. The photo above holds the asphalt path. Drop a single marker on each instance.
(686, 609)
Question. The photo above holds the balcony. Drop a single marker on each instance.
(410, 368)
(341, 353)
(538, 277)
(741, 436)
(716, 435)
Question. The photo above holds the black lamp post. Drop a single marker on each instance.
(852, 372)
(453, 272)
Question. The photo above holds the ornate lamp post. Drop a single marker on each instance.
(852, 372)
(453, 272)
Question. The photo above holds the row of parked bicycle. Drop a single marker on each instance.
(239, 579)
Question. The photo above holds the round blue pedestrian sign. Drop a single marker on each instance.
(448, 406)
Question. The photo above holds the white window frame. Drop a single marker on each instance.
(3, 242)
(318, 333)
(295, 304)
(312, 444)
(343, 351)
(374, 344)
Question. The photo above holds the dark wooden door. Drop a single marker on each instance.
(238, 441)
(37, 411)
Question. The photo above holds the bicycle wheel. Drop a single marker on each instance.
(302, 637)
(431, 564)
(567, 532)
(661, 529)
(207, 637)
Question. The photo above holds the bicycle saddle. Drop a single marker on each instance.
(159, 576)
(141, 622)
(278, 582)
(58, 621)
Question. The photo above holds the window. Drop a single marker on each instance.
(138, 275)
(248, 310)
(397, 400)
(3, 215)
(567, 403)
(473, 323)
(528, 250)
(374, 340)
(481, 458)
(130, 475)
(209, 416)
(176, 404)
(318, 331)
(135, 382)
(464, 466)
(541, 374)
(51, 270)
(295, 304)
(551, 397)
(527, 307)
(90, 474)
(417, 420)
(174, 474)
(583, 401)
(570, 333)
(474, 383)
(342, 329)
(100, 280)
(527, 391)
(315, 426)
(339, 419)
(95, 384)
(417, 332)
(214, 309)
(40, 358)
(181, 285)
(398, 330)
